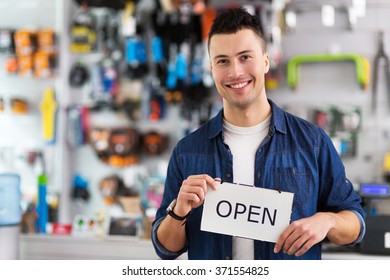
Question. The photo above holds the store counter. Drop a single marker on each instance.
(334, 252)
(51, 247)
(352, 256)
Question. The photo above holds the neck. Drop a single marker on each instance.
(246, 117)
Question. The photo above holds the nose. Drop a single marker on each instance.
(235, 70)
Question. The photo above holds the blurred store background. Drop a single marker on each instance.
(94, 94)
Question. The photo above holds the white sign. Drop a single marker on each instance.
(249, 212)
(387, 240)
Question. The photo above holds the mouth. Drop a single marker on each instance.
(238, 85)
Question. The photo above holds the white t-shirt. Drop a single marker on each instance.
(243, 143)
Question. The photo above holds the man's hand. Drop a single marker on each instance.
(171, 233)
(302, 234)
(192, 193)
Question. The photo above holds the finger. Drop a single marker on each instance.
(293, 242)
(190, 184)
(282, 239)
(296, 245)
(186, 194)
(192, 192)
(304, 248)
(299, 241)
(210, 182)
(204, 181)
(217, 181)
(190, 197)
(201, 176)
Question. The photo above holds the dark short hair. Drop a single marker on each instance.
(233, 20)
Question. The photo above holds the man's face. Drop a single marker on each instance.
(238, 66)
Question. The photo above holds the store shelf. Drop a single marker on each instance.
(20, 130)
(19, 120)
(50, 247)
(28, 13)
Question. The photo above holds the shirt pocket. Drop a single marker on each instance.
(295, 180)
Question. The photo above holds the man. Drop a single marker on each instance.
(253, 142)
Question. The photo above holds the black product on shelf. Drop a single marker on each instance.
(7, 43)
(78, 75)
(113, 4)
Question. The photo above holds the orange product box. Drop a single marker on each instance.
(24, 42)
(42, 67)
(25, 65)
(46, 40)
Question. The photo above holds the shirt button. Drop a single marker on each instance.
(228, 175)
(227, 258)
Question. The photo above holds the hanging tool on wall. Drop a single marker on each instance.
(48, 108)
(352, 11)
(361, 63)
(42, 208)
(83, 32)
(380, 55)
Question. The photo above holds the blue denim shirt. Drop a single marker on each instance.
(296, 156)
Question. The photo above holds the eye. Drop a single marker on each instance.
(222, 61)
(245, 57)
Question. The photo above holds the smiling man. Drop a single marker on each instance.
(254, 142)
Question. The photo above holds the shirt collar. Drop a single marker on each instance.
(278, 121)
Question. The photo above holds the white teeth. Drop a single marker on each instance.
(240, 85)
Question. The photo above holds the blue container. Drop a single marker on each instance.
(42, 209)
(10, 197)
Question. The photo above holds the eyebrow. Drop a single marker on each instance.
(239, 53)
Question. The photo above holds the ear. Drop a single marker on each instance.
(266, 63)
